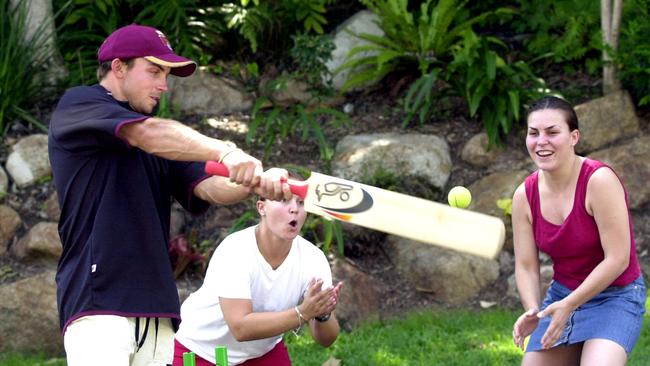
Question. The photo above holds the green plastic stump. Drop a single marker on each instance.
(189, 359)
(221, 354)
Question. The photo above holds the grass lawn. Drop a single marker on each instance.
(440, 338)
(454, 337)
(457, 337)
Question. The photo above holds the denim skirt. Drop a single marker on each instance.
(615, 314)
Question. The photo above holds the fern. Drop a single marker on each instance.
(423, 38)
(263, 21)
(21, 64)
(311, 14)
(279, 123)
(570, 30)
(81, 29)
(251, 22)
(493, 89)
(310, 54)
(419, 98)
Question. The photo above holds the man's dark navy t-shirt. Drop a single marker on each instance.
(115, 209)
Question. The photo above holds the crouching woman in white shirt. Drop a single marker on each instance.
(260, 283)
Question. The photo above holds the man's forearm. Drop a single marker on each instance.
(219, 190)
(173, 140)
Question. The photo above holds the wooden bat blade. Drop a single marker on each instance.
(396, 213)
(407, 216)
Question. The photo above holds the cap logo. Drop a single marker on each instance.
(164, 40)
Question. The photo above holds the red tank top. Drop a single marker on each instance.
(574, 246)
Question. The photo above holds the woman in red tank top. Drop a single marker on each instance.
(575, 209)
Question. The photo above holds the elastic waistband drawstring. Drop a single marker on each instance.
(140, 342)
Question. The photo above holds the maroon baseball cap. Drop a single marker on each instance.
(135, 40)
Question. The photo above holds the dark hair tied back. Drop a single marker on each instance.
(550, 102)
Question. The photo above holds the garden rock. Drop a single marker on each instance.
(506, 262)
(41, 243)
(29, 317)
(345, 39)
(362, 157)
(493, 187)
(4, 182)
(475, 151)
(29, 160)
(207, 94)
(605, 120)
(359, 299)
(630, 161)
(293, 92)
(451, 277)
(9, 224)
(51, 208)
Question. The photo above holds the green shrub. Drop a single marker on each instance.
(493, 89)
(439, 40)
(192, 27)
(281, 122)
(419, 99)
(21, 63)
(81, 29)
(310, 54)
(271, 22)
(567, 30)
(633, 56)
(195, 28)
(422, 38)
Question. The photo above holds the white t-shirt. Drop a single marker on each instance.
(238, 270)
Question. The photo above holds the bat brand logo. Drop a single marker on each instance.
(332, 189)
(341, 200)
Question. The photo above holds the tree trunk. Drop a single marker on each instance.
(610, 20)
(40, 20)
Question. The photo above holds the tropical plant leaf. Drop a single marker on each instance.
(23, 57)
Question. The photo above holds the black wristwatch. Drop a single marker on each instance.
(323, 318)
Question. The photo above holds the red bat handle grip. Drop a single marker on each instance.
(215, 168)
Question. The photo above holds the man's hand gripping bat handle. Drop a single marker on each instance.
(215, 168)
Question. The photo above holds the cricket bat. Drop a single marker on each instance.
(396, 213)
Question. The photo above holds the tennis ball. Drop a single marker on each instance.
(459, 196)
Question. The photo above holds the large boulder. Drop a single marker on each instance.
(630, 161)
(29, 317)
(451, 276)
(605, 120)
(207, 94)
(404, 156)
